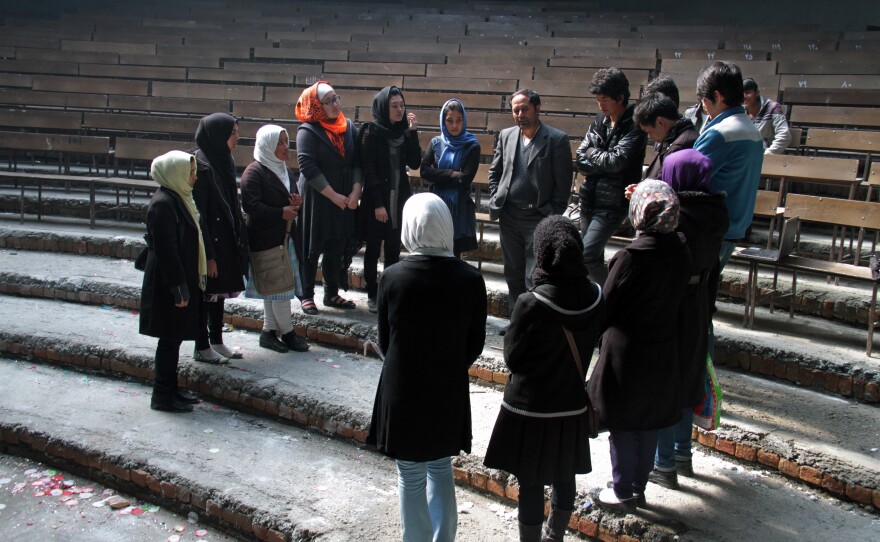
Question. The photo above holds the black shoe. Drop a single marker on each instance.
(667, 479)
(186, 396)
(170, 405)
(295, 343)
(268, 339)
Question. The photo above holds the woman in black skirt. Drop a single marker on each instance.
(541, 435)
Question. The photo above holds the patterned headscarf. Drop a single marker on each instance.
(654, 207)
(687, 170)
(310, 109)
(427, 226)
(452, 148)
(559, 252)
(172, 170)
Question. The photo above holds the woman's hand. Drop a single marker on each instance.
(289, 213)
(413, 122)
(296, 201)
(212, 269)
(182, 304)
(382, 215)
(628, 191)
(353, 198)
(339, 200)
(456, 175)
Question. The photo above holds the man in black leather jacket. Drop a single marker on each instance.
(610, 158)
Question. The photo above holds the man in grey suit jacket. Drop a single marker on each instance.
(530, 178)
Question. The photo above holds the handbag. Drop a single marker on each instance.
(591, 414)
(707, 415)
(272, 271)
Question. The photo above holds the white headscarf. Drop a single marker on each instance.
(427, 226)
(264, 152)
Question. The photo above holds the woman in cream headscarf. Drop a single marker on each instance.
(635, 385)
(174, 276)
(421, 415)
(272, 202)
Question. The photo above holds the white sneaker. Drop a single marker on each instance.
(226, 352)
(372, 306)
(608, 499)
(208, 355)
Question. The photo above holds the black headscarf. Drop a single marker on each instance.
(382, 114)
(559, 252)
(211, 137)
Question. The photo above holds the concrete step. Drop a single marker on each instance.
(808, 437)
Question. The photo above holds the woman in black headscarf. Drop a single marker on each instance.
(216, 196)
(540, 435)
(387, 145)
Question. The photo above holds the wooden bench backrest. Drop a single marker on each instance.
(834, 211)
(89, 85)
(486, 141)
(809, 168)
(765, 204)
(849, 140)
(835, 116)
(750, 69)
(830, 67)
(37, 118)
(55, 143)
(146, 149)
(156, 104)
(830, 81)
(177, 126)
(832, 97)
(575, 127)
(54, 99)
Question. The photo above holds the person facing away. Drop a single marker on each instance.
(733, 144)
(387, 145)
(610, 157)
(432, 327)
(769, 118)
(272, 203)
(658, 116)
(529, 179)
(175, 274)
(540, 435)
(635, 384)
(330, 183)
(703, 222)
(449, 165)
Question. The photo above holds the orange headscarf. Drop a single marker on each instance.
(310, 109)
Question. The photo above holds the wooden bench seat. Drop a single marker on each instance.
(201, 90)
(830, 81)
(133, 72)
(69, 57)
(65, 146)
(158, 104)
(31, 98)
(163, 125)
(835, 116)
(832, 97)
(60, 121)
(89, 85)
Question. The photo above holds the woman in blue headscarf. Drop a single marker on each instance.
(449, 165)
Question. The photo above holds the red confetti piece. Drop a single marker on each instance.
(137, 511)
(40, 494)
(58, 477)
(67, 493)
(200, 533)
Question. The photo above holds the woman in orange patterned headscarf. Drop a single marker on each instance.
(330, 184)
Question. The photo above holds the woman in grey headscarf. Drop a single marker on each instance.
(421, 415)
(635, 385)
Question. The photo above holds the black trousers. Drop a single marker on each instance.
(210, 324)
(531, 500)
(517, 236)
(165, 381)
(391, 238)
(331, 266)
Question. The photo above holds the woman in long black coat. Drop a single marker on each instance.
(703, 221)
(387, 145)
(540, 435)
(216, 195)
(174, 274)
(635, 385)
(432, 327)
(330, 183)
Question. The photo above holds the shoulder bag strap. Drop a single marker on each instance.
(287, 234)
(574, 352)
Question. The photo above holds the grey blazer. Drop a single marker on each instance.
(550, 170)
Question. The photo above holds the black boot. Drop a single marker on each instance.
(186, 396)
(529, 533)
(294, 342)
(169, 404)
(269, 339)
(557, 522)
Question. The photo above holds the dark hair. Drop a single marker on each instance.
(726, 79)
(610, 82)
(653, 106)
(533, 96)
(750, 85)
(455, 106)
(664, 85)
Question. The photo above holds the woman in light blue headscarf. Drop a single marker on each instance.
(449, 166)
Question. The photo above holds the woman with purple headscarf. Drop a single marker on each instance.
(635, 385)
(703, 221)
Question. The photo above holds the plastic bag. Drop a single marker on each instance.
(707, 415)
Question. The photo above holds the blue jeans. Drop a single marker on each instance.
(597, 227)
(727, 248)
(674, 442)
(428, 512)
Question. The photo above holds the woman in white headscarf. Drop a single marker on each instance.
(421, 415)
(272, 203)
(175, 273)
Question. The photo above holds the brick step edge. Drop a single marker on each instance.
(737, 443)
(754, 448)
(820, 375)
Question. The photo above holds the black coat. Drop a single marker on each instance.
(543, 375)
(263, 197)
(172, 270)
(610, 159)
(682, 135)
(635, 385)
(441, 182)
(224, 231)
(320, 219)
(432, 327)
(703, 221)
